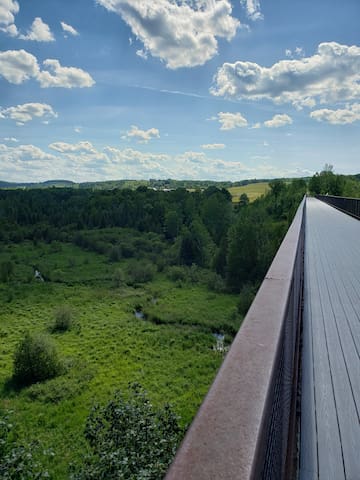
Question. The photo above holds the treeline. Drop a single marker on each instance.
(178, 228)
(167, 184)
(328, 183)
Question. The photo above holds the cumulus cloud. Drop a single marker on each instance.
(66, 77)
(27, 111)
(331, 75)
(213, 146)
(83, 161)
(17, 66)
(38, 32)
(181, 33)
(230, 121)
(142, 136)
(69, 29)
(341, 116)
(279, 120)
(252, 9)
(8, 10)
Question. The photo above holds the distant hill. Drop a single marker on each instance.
(47, 184)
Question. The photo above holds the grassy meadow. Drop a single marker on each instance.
(252, 190)
(169, 351)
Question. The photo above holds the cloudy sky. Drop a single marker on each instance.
(198, 89)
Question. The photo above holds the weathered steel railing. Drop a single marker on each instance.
(345, 204)
(245, 428)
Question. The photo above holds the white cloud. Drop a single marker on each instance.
(142, 54)
(8, 10)
(213, 146)
(229, 120)
(298, 52)
(11, 139)
(142, 136)
(341, 116)
(331, 75)
(83, 162)
(66, 77)
(39, 32)
(279, 120)
(17, 66)
(181, 33)
(27, 111)
(69, 29)
(252, 9)
(64, 147)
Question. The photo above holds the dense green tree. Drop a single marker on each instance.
(216, 214)
(130, 439)
(242, 253)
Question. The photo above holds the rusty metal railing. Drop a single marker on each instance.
(245, 428)
(345, 204)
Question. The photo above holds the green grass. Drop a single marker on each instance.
(172, 357)
(252, 190)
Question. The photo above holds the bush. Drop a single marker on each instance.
(63, 319)
(175, 273)
(140, 271)
(215, 282)
(130, 439)
(36, 359)
(119, 277)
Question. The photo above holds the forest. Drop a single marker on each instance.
(118, 307)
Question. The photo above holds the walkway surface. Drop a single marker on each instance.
(330, 428)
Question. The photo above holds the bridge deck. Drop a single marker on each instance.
(330, 428)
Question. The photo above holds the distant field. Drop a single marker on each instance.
(252, 190)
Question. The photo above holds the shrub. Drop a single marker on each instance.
(140, 271)
(119, 277)
(176, 273)
(130, 439)
(215, 282)
(36, 359)
(63, 319)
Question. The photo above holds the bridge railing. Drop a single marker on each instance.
(245, 428)
(345, 204)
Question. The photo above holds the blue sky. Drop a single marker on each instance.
(198, 89)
